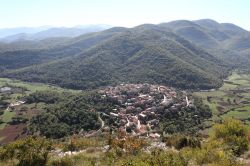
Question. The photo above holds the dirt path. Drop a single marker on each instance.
(102, 122)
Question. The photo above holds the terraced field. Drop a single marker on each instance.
(231, 100)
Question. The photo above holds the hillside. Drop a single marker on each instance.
(226, 41)
(240, 42)
(192, 32)
(205, 33)
(23, 54)
(146, 53)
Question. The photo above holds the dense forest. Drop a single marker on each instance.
(65, 114)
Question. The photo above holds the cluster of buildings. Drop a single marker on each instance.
(138, 107)
(9, 90)
(5, 90)
(20, 102)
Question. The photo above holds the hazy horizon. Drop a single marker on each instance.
(129, 13)
(103, 24)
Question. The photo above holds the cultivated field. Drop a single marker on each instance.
(231, 100)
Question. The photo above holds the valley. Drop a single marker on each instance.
(175, 93)
(129, 122)
(137, 107)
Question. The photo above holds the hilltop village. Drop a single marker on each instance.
(138, 107)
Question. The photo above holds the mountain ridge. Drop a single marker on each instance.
(51, 32)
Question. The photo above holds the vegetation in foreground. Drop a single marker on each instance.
(228, 141)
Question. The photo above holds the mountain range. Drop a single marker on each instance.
(44, 32)
(184, 54)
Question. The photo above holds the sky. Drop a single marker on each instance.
(128, 13)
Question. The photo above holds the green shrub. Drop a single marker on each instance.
(29, 151)
(77, 143)
(212, 153)
(131, 145)
(233, 134)
(181, 141)
(155, 158)
(65, 161)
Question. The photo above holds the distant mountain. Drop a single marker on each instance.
(227, 28)
(16, 38)
(192, 32)
(219, 39)
(27, 30)
(66, 32)
(184, 54)
(94, 26)
(205, 33)
(54, 33)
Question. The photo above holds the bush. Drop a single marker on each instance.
(213, 153)
(1, 121)
(155, 158)
(18, 120)
(181, 141)
(233, 134)
(24, 109)
(65, 161)
(75, 144)
(1, 112)
(30, 151)
(131, 145)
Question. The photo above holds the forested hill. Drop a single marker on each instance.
(26, 53)
(226, 41)
(183, 54)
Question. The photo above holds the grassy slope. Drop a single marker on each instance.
(6, 117)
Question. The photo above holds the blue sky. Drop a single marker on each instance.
(16, 13)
